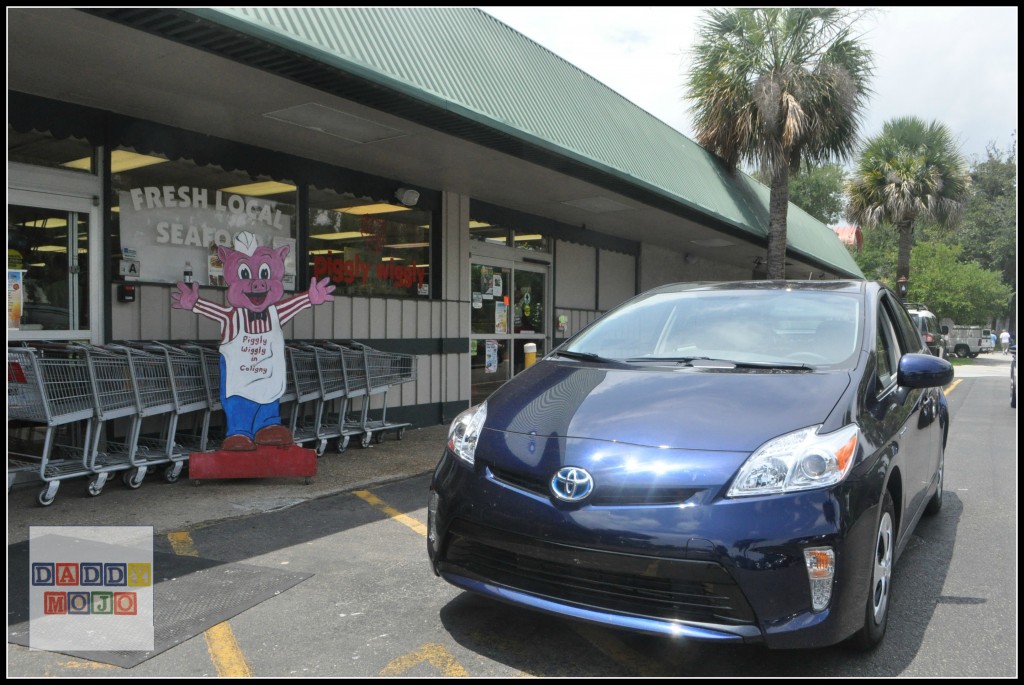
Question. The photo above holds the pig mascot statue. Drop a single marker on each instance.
(253, 369)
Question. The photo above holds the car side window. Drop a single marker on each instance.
(908, 334)
(886, 351)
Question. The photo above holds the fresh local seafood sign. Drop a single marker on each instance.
(165, 227)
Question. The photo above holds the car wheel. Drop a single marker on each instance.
(961, 351)
(876, 612)
(935, 503)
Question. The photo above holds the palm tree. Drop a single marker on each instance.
(775, 87)
(912, 170)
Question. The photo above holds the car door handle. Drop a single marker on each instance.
(903, 430)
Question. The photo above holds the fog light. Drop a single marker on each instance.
(821, 567)
(432, 502)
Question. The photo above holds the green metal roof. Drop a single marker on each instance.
(464, 62)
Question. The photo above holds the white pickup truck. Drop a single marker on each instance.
(967, 341)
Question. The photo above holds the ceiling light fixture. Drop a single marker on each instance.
(260, 188)
(380, 208)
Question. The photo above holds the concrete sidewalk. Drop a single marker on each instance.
(181, 505)
(988, 364)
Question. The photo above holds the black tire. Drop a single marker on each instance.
(962, 351)
(876, 610)
(934, 505)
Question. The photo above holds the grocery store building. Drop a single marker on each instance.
(465, 190)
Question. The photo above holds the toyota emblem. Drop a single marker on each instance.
(572, 484)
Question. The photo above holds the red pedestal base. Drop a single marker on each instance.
(266, 461)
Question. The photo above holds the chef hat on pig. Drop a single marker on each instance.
(246, 243)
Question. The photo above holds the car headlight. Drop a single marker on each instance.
(802, 460)
(465, 431)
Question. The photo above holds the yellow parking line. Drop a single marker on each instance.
(434, 654)
(226, 655)
(949, 388)
(379, 504)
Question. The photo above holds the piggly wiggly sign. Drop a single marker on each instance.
(253, 370)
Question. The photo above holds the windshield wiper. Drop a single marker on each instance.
(676, 360)
(585, 356)
(733, 362)
(775, 365)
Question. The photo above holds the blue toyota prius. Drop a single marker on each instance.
(737, 462)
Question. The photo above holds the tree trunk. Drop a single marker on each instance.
(778, 209)
(906, 231)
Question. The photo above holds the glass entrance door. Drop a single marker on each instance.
(508, 310)
(48, 261)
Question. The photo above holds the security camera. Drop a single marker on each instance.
(407, 196)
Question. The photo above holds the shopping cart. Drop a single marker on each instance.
(334, 394)
(353, 372)
(307, 405)
(209, 359)
(49, 389)
(132, 385)
(369, 373)
(383, 370)
(185, 373)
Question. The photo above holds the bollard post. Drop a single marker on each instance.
(530, 354)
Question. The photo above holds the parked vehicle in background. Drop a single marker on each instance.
(729, 462)
(928, 325)
(967, 341)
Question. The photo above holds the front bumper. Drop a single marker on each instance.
(714, 570)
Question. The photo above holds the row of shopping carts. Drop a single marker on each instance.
(332, 387)
(78, 410)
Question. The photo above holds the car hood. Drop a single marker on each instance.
(685, 408)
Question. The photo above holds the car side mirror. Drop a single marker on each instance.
(945, 330)
(923, 371)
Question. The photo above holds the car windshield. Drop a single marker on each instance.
(924, 322)
(760, 327)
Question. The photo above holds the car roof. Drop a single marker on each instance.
(841, 285)
(917, 307)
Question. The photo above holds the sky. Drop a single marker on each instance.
(957, 65)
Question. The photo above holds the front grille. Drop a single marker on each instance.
(603, 495)
(672, 589)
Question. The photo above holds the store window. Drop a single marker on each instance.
(53, 237)
(171, 216)
(369, 247)
(508, 236)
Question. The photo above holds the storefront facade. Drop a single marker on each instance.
(140, 141)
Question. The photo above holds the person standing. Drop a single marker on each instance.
(1004, 340)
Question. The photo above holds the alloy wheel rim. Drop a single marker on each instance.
(882, 571)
